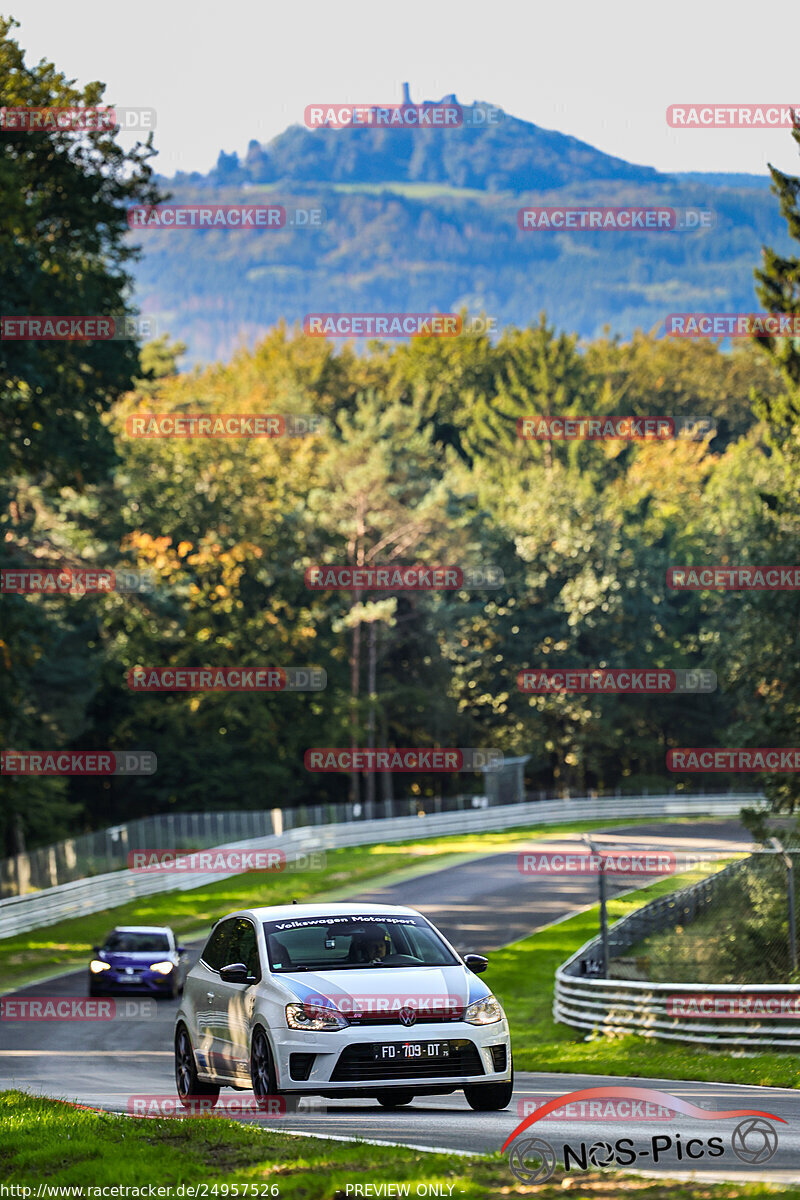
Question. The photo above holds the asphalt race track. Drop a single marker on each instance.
(480, 905)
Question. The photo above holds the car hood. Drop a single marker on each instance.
(385, 990)
(139, 959)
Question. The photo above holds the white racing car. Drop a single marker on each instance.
(339, 1000)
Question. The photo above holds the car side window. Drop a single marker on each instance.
(243, 946)
(215, 954)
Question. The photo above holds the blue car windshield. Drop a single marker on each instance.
(337, 943)
(120, 942)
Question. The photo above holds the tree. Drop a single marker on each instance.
(63, 250)
(381, 498)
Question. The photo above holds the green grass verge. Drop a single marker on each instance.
(49, 1142)
(41, 952)
(522, 977)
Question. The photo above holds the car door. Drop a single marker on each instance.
(210, 999)
(237, 1000)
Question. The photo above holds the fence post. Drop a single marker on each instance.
(601, 884)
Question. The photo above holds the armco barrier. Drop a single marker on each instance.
(615, 1006)
(21, 913)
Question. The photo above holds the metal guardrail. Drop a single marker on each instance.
(106, 850)
(615, 1006)
(19, 914)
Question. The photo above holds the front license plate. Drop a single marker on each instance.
(403, 1051)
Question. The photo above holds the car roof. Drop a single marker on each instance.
(279, 912)
(141, 929)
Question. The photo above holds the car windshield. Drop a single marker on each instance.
(332, 943)
(123, 942)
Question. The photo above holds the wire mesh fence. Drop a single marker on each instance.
(736, 927)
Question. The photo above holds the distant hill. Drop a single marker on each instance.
(422, 220)
(720, 179)
(503, 155)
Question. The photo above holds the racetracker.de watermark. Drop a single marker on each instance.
(85, 328)
(705, 324)
(207, 216)
(624, 681)
(407, 1007)
(398, 324)
(739, 1006)
(612, 862)
(73, 581)
(401, 579)
(222, 425)
(444, 115)
(97, 118)
(223, 860)
(600, 429)
(711, 759)
(403, 760)
(596, 1110)
(78, 762)
(731, 116)
(262, 1108)
(617, 220)
(226, 216)
(74, 1008)
(227, 679)
(733, 579)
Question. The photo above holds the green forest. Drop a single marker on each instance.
(416, 461)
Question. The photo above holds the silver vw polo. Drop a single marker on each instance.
(339, 1000)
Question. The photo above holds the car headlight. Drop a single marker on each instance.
(95, 966)
(484, 1012)
(316, 1018)
(162, 968)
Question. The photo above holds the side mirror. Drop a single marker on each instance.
(476, 963)
(95, 949)
(234, 973)
(181, 949)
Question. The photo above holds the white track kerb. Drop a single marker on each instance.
(83, 896)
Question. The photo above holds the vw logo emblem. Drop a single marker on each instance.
(754, 1140)
(408, 1015)
(532, 1160)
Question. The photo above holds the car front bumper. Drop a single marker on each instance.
(346, 1060)
(144, 983)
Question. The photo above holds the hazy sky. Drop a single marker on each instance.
(219, 74)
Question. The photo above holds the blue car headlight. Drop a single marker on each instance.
(162, 968)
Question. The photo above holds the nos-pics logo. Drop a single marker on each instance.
(533, 1159)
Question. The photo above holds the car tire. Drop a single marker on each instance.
(263, 1075)
(193, 1092)
(490, 1097)
(394, 1099)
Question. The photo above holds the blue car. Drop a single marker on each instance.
(143, 959)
